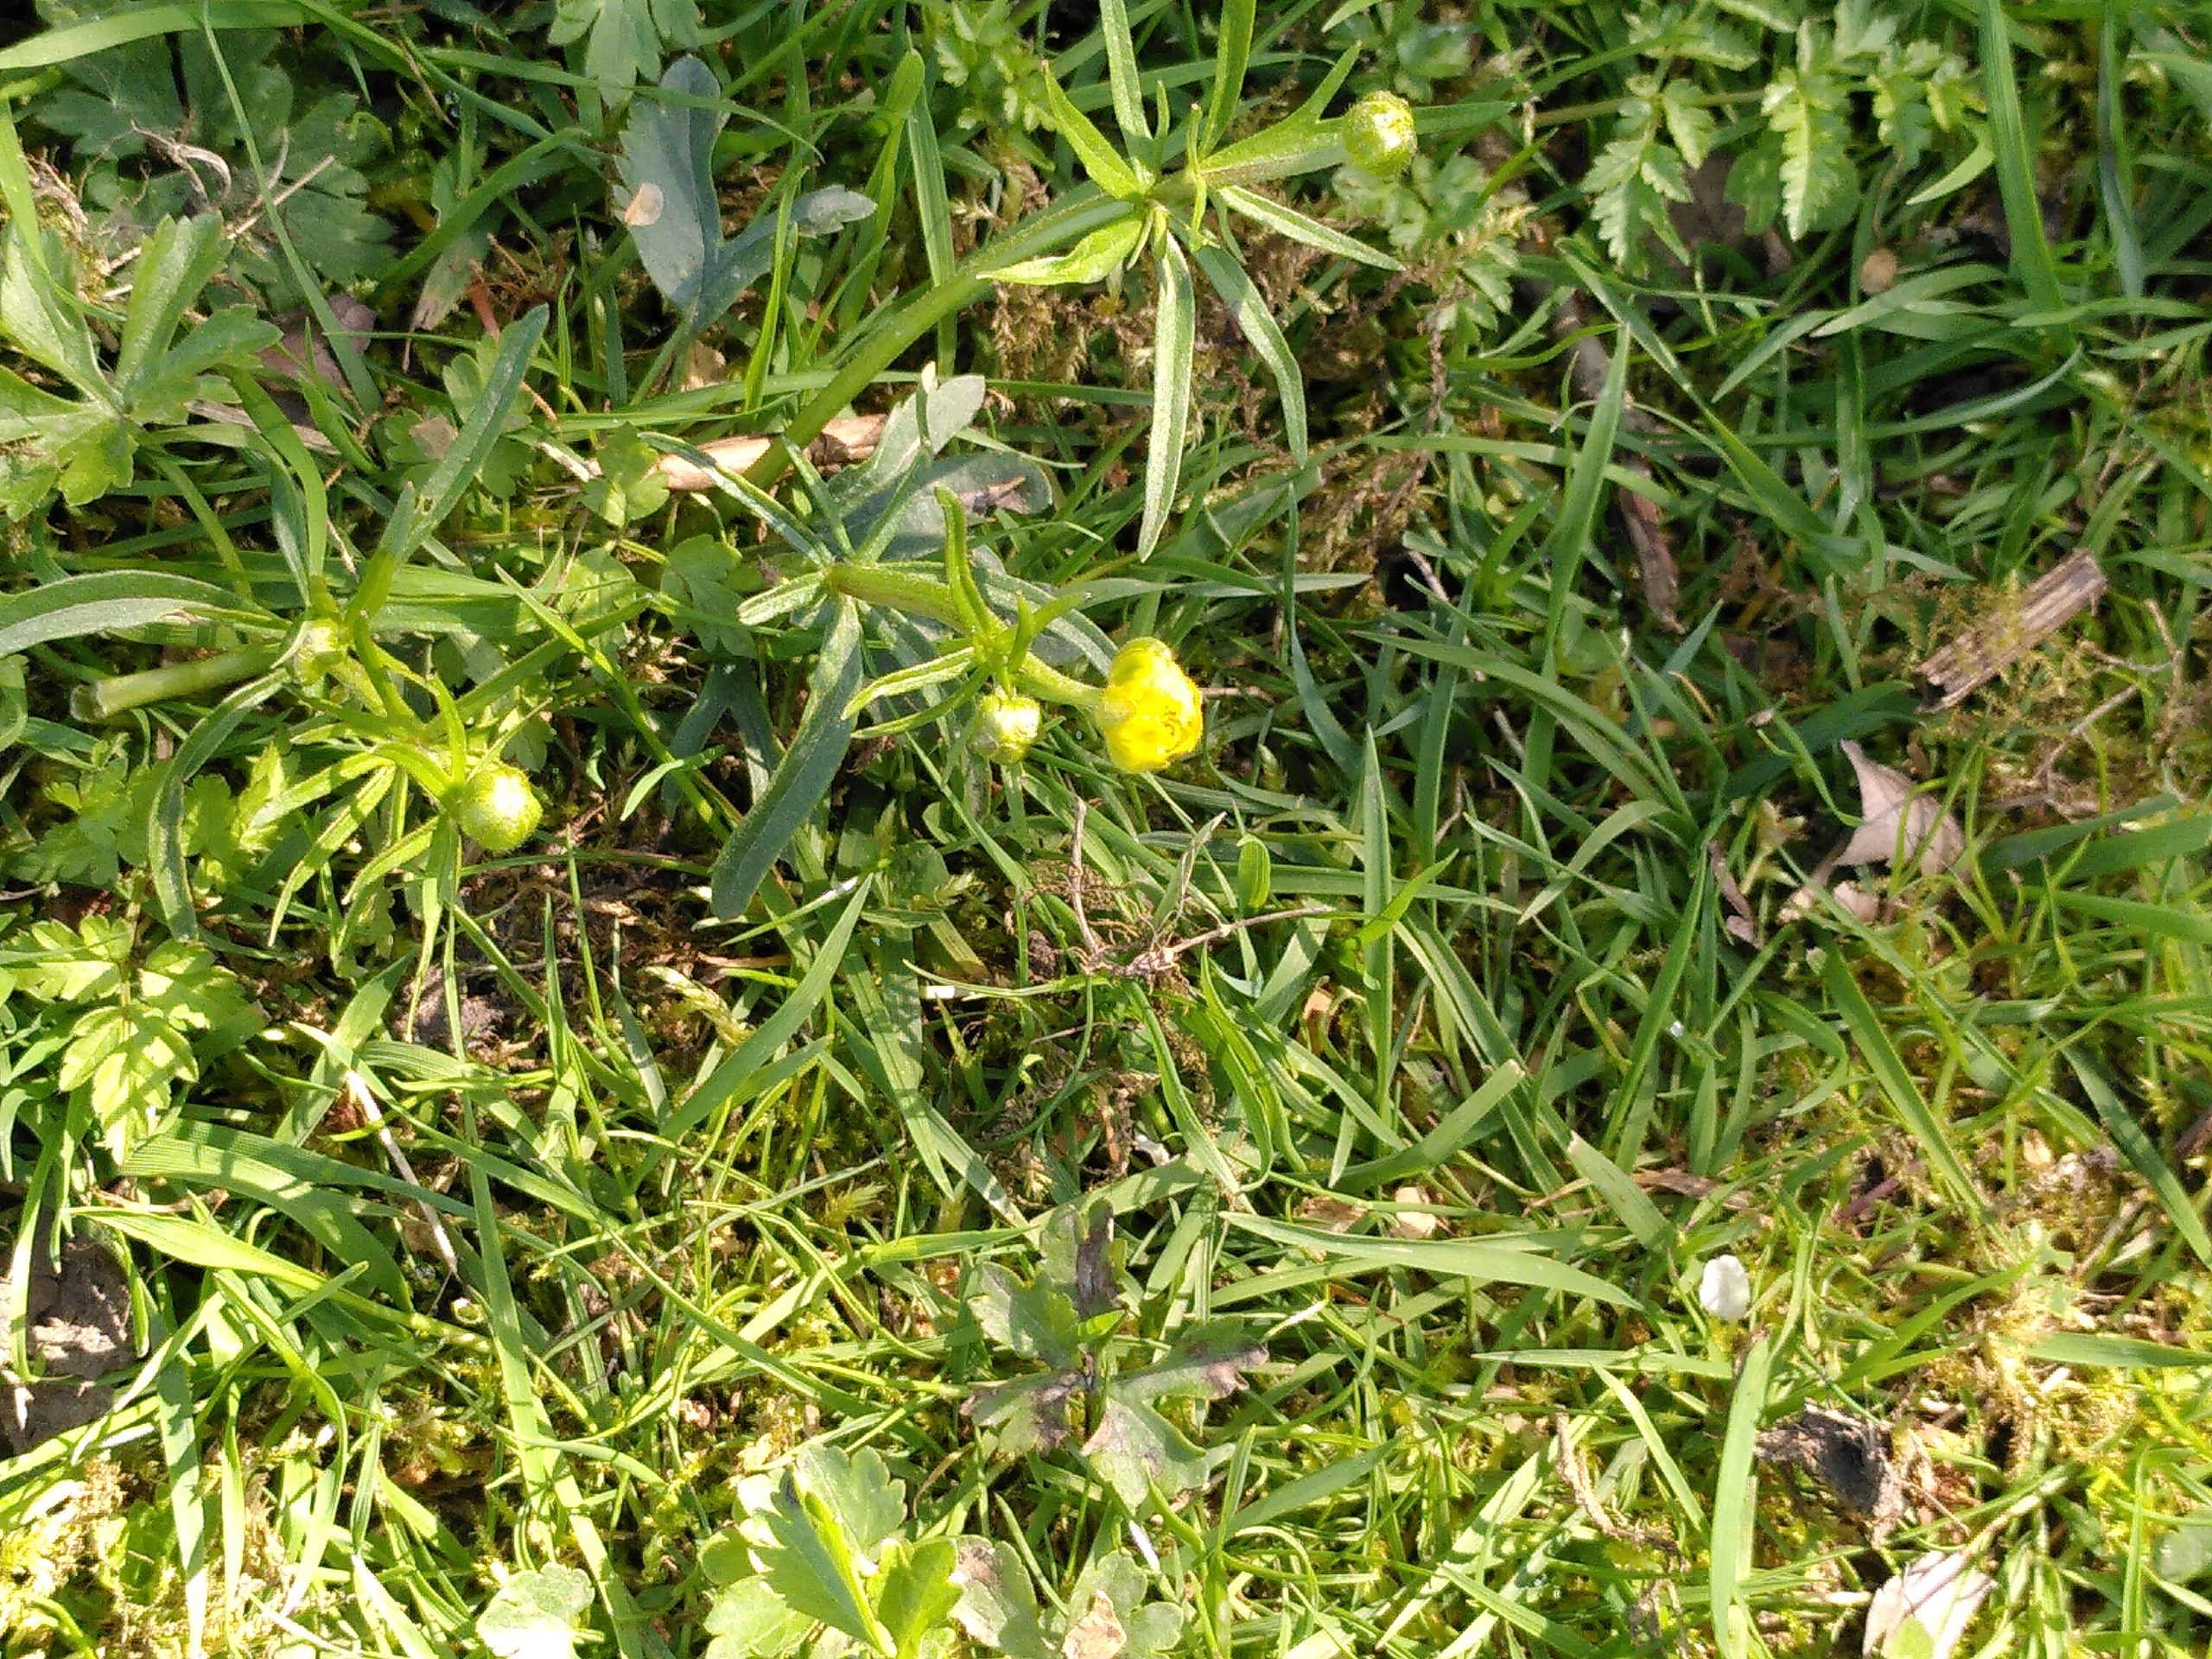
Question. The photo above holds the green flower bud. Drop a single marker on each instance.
(1006, 725)
(1379, 135)
(498, 808)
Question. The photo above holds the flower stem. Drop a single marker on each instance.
(919, 595)
(105, 699)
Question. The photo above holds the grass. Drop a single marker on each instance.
(473, 1218)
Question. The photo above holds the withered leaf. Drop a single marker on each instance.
(1098, 1634)
(1899, 820)
(1207, 1363)
(1030, 1415)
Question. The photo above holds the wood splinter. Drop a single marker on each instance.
(2017, 627)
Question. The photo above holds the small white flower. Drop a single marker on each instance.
(1724, 1289)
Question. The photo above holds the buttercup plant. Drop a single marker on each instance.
(1164, 213)
(1148, 710)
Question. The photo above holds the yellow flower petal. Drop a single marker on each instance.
(1149, 713)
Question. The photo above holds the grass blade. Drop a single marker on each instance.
(1735, 1504)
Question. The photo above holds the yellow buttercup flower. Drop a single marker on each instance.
(1149, 711)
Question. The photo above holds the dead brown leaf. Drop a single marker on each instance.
(1098, 1634)
(1899, 818)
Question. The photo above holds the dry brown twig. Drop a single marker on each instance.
(2012, 630)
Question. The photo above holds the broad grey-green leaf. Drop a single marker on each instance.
(674, 216)
(1134, 1446)
(533, 1615)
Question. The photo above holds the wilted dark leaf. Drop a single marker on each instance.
(1206, 1364)
(998, 1604)
(1031, 1415)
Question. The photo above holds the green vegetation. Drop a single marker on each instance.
(1000, 826)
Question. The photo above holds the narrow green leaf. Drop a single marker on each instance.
(802, 777)
(1122, 70)
(1174, 333)
(1091, 260)
(1898, 1084)
(1298, 228)
(457, 471)
(2016, 161)
(1232, 51)
(1735, 1504)
(752, 1057)
(1100, 159)
(2122, 1353)
(2142, 1154)
(1485, 1261)
(1242, 297)
(183, 1238)
(1620, 1193)
(104, 602)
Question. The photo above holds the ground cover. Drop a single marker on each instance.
(630, 1022)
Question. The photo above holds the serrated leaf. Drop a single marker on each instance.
(124, 1061)
(869, 1505)
(812, 1565)
(1689, 123)
(1629, 185)
(1147, 1628)
(627, 37)
(998, 1604)
(62, 965)
(1135, 1447)
(533, 1615)
(1861, 30)
(1035, 1321)
(750, 1621)
(1807, 109)
(915, 1593)
(1030, 1415)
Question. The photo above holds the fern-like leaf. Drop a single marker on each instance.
(1629, 185)
(1807, 109)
